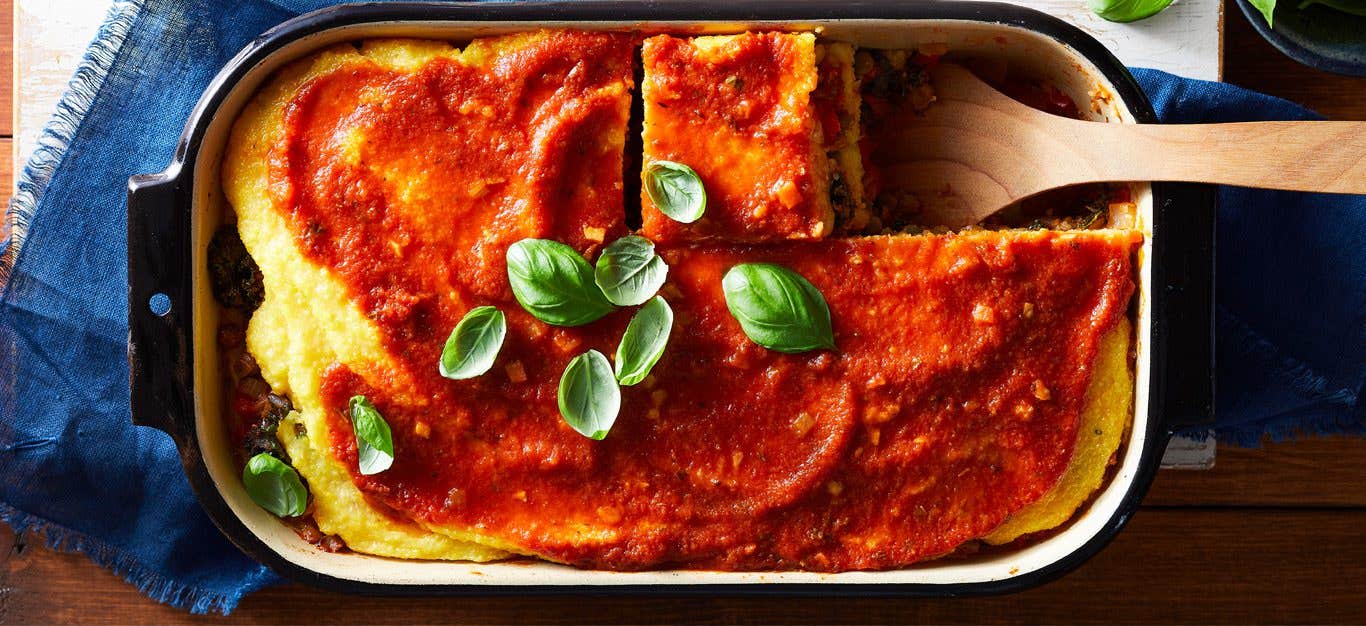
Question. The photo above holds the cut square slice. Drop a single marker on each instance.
(748, 114)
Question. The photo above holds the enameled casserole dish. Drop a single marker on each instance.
(176, 384)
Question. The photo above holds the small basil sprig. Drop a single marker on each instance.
(554, 284)
(644, 341)
(777, 308)
(473, 345)
(374, 441)
(1126, 10)
(629, 271)
(589, 397)
(275, 486)
(676, 191)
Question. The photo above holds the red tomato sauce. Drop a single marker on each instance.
(923, 431)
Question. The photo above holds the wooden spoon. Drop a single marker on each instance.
(976, 150)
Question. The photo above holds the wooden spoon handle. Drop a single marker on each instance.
(1300, 156)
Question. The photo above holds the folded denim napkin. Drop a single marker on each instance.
(1291, 303)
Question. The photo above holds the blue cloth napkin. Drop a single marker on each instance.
(1290, 286)
(1291, 317)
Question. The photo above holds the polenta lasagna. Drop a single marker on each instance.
(445, 338)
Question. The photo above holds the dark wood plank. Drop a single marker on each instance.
(1309, 473)
(7, 558)
(1251, 62)
(1170, 565)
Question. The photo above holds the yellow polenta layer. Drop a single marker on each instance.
(1104, 420)
(307, 322)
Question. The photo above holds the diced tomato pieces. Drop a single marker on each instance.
(244, 405)
(1060, 104)
(927, 61)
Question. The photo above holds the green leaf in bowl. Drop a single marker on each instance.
(1267, 8)
(1351, 7)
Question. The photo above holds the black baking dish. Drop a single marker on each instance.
(172, 357)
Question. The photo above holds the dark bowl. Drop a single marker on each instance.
(1317, 36)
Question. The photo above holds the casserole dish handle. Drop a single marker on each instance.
(159, 308)
(1183, 307)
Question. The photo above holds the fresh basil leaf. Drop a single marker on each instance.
(1354, 7)
(275, 486)
(554, 284)
(473, 345)
(1267, 8)
(589, 396)
(644, 341)
(1127, 10)
(676, 191)
(374, 442)
(629, 271)
(777, 308)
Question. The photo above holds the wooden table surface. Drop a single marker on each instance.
(1270, 535)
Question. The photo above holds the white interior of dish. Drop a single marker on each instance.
(1020, 49)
